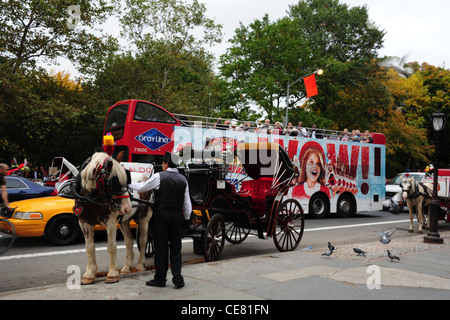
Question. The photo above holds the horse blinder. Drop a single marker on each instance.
(108, 188)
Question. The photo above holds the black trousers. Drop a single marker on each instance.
(166, 231)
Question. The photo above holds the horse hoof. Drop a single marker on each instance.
(87, 281)
(112, 279)
(410, 230)
(419, 231)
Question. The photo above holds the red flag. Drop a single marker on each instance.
(311, 87)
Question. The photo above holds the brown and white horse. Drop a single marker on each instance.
(103, 199)
(416, 195)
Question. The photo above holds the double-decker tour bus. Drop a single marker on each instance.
(335, 174)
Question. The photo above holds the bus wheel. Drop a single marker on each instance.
(319, 206)
(346, 206)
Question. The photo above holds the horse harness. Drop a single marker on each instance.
(108, 189)
(417, 192)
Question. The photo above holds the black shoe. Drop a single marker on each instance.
(155, 283)
(179, 283)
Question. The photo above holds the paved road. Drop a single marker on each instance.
(32, 262)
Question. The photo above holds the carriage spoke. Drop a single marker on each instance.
(214, 238)
(234, 234)
(289, 226)
(7, 235)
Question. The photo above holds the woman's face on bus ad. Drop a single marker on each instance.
(312, 168)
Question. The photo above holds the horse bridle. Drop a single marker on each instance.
(417, 190)
(107, 189)
(407, 191)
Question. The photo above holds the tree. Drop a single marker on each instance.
(418, 97)
(44, 116)
(406, 146)
(172, 31)
(266, 56)
(37, 30)
(342, 41)
(259, 63)
(363, 104)
(131, 76)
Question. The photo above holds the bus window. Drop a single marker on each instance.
(117, 117)
(148, 112)
(377, 162)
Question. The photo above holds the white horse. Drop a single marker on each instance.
(102, 200)
(419, 196)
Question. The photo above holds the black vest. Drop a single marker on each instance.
(170, 195)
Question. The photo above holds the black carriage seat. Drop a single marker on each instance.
(199, 178)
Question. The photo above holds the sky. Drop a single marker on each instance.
(415, 28)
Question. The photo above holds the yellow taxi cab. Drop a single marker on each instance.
(51, 217)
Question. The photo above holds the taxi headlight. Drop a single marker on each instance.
(28, 215)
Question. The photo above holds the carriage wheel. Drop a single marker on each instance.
(235, 235)
(289, 226)
(214, 238)
(7, 235)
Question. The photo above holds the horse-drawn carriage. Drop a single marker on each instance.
(222, 213)
(443, 192)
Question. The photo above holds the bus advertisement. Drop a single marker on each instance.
(333, 176)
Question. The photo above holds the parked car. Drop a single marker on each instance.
(394, 201)
(21, 188)
(51, 217)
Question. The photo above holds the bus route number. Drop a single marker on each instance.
(142, 150)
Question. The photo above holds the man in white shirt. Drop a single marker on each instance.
(171, 211)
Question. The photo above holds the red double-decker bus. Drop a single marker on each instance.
(141, 129)
(335, 175)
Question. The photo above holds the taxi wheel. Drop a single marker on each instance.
(63, 230)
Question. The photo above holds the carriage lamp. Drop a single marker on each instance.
(438, 120)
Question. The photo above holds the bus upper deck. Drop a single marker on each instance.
(145, 130)
(330, 166)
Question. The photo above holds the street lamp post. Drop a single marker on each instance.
(318, 72)
(433, 236)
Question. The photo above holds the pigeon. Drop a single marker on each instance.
(359, 252)
(392, 256)
(328, 253)
(385, 236)
(330, 246)
(397, 64)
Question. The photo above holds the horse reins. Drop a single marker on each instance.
(105, 195)
(105, 175)
(417, 192)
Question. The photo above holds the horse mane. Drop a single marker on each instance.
(98, 159)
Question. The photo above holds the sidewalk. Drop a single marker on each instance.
(422, 273)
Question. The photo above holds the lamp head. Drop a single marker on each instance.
(438, 119)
